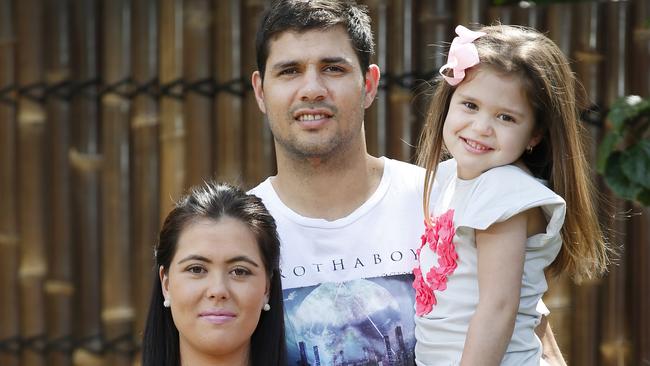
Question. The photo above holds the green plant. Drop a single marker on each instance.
(624, 153)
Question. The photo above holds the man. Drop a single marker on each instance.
(349, 222)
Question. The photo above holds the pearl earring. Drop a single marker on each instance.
(167, 303)
(266, 307)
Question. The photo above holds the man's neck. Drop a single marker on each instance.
(328, 189)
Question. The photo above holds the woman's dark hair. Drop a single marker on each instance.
(160, 345)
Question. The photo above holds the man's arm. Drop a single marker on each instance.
(550, 351)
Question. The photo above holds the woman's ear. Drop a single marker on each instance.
(535, 139)
(164, 281)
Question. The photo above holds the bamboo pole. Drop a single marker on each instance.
(260, 157)
(85, 164)
(173, 150)
(376, 116)
(433, 33)
(641, 240)
(471, 11)
(58, 287)
(400, 129)
(228, 121)
(145, 124)
(529, 14)
(31, 182)
(196, 66)
(616, 345)
(9, 311)
(117, 306)
(558, 297)
(588, 66)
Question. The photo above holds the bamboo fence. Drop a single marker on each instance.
(110, 109)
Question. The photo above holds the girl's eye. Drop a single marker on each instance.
(240, 272)
(506, 118)
(470, 105)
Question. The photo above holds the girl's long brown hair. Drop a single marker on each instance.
(559, 158)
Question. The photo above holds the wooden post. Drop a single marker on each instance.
(172, 128)
(400, 135)
(197, 23)
(227, 57)
(31, 182)
(117, 307)
(85, 163)
(145, 127)
(9, 311)
(616, 344)
(58, 287)
(588, 65)
(259, 145)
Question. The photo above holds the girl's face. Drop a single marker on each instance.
(489, 123)
(217, 286)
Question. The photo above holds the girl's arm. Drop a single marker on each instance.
(501, 252)
(551, 351)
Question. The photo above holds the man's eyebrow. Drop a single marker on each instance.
(284, 64)
(336, 60)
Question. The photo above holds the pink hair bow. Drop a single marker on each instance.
(462, 55)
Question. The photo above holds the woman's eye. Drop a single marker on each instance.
(196, 269)
(239, 272)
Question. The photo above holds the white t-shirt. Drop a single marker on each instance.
(347, 283)
(494, 196)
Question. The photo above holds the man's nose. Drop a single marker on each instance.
(313, 87)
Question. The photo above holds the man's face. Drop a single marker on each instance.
(314, 94)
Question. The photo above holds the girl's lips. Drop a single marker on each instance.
(475, 146)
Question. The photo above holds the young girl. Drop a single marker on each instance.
(514, 200)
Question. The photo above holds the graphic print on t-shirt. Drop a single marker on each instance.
(360, 322)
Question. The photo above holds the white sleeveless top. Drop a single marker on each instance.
(494, 196)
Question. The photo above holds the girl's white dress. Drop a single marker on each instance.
(446, 280)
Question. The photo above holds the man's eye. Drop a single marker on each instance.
(334, 68)
(290, 71)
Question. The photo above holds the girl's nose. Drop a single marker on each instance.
(482, 124)
(218, 288)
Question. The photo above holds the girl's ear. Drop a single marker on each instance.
(535, 139)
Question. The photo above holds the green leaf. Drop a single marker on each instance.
(635, 163)
(644, 197)
(624, 109)
(604, 149)
(618, 181)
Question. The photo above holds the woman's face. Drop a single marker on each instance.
(217, 286)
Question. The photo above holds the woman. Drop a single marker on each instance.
(217, 296)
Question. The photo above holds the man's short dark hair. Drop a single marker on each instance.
(305, 15)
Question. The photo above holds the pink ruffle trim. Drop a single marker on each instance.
(439, 236)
